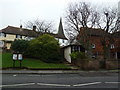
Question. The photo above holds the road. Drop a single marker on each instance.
(109, 80)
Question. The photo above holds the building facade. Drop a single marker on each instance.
(95, 37)
(10, 33)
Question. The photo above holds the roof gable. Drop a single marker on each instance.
(93, 32)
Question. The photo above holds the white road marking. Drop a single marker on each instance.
(14, 75)
(46, 84)
(87, 84)
(39, 75)
(17, 85)
(34, 75)
(113, 82)
(53, 84)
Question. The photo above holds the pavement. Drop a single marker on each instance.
(54, 71)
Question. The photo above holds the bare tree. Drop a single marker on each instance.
(81, 15)
(110, 25)
(110, 20)
(41, 26)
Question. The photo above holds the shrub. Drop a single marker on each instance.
(19, 46)
(78, 55)
(74, 55)
(82, 55)
(45, 48)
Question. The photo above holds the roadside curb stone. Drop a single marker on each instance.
(52, 71)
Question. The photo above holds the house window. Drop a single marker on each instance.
(29, 38)
(18, 36)
(1, 43)
(63, 40)
(93, 46)
(112, 46)
(75, 49)
(2, 35)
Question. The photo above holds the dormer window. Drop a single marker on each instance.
(2, 35)
(93, 46)
(18, 36)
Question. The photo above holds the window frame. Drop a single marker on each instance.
(2, 43)
(2, 34)
(75, 48)
(20, 36)
(112, 46)
(93, 46)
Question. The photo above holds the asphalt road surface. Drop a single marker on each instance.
(109, 80)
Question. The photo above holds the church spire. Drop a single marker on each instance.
(60, 30)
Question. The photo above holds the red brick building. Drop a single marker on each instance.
(116, 50)
(95, 38)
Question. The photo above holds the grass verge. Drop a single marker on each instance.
(7, 62)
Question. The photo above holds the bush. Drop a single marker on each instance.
(19, 46)
(78, 55)
(74, 55)
(45, 48)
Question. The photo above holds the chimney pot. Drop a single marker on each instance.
(34, 28)
(20, 26)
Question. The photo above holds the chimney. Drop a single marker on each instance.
(20, 26)
(34, 28)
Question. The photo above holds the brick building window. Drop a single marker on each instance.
(93, 46)
(112, 46)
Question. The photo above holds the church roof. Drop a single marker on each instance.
(60, 33)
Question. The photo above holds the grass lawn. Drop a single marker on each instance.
(29, 63)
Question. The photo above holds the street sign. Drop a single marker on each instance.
(19, 56)
(14, 56)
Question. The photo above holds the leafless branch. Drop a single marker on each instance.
(41, 25)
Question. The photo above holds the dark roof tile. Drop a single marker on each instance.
(19, 31)
(60, 31)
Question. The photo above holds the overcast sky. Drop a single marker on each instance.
(14, 12)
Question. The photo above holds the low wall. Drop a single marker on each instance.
(112, 64)
(88, 64)
(97, 65)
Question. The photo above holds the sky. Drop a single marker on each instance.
(16, 12)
